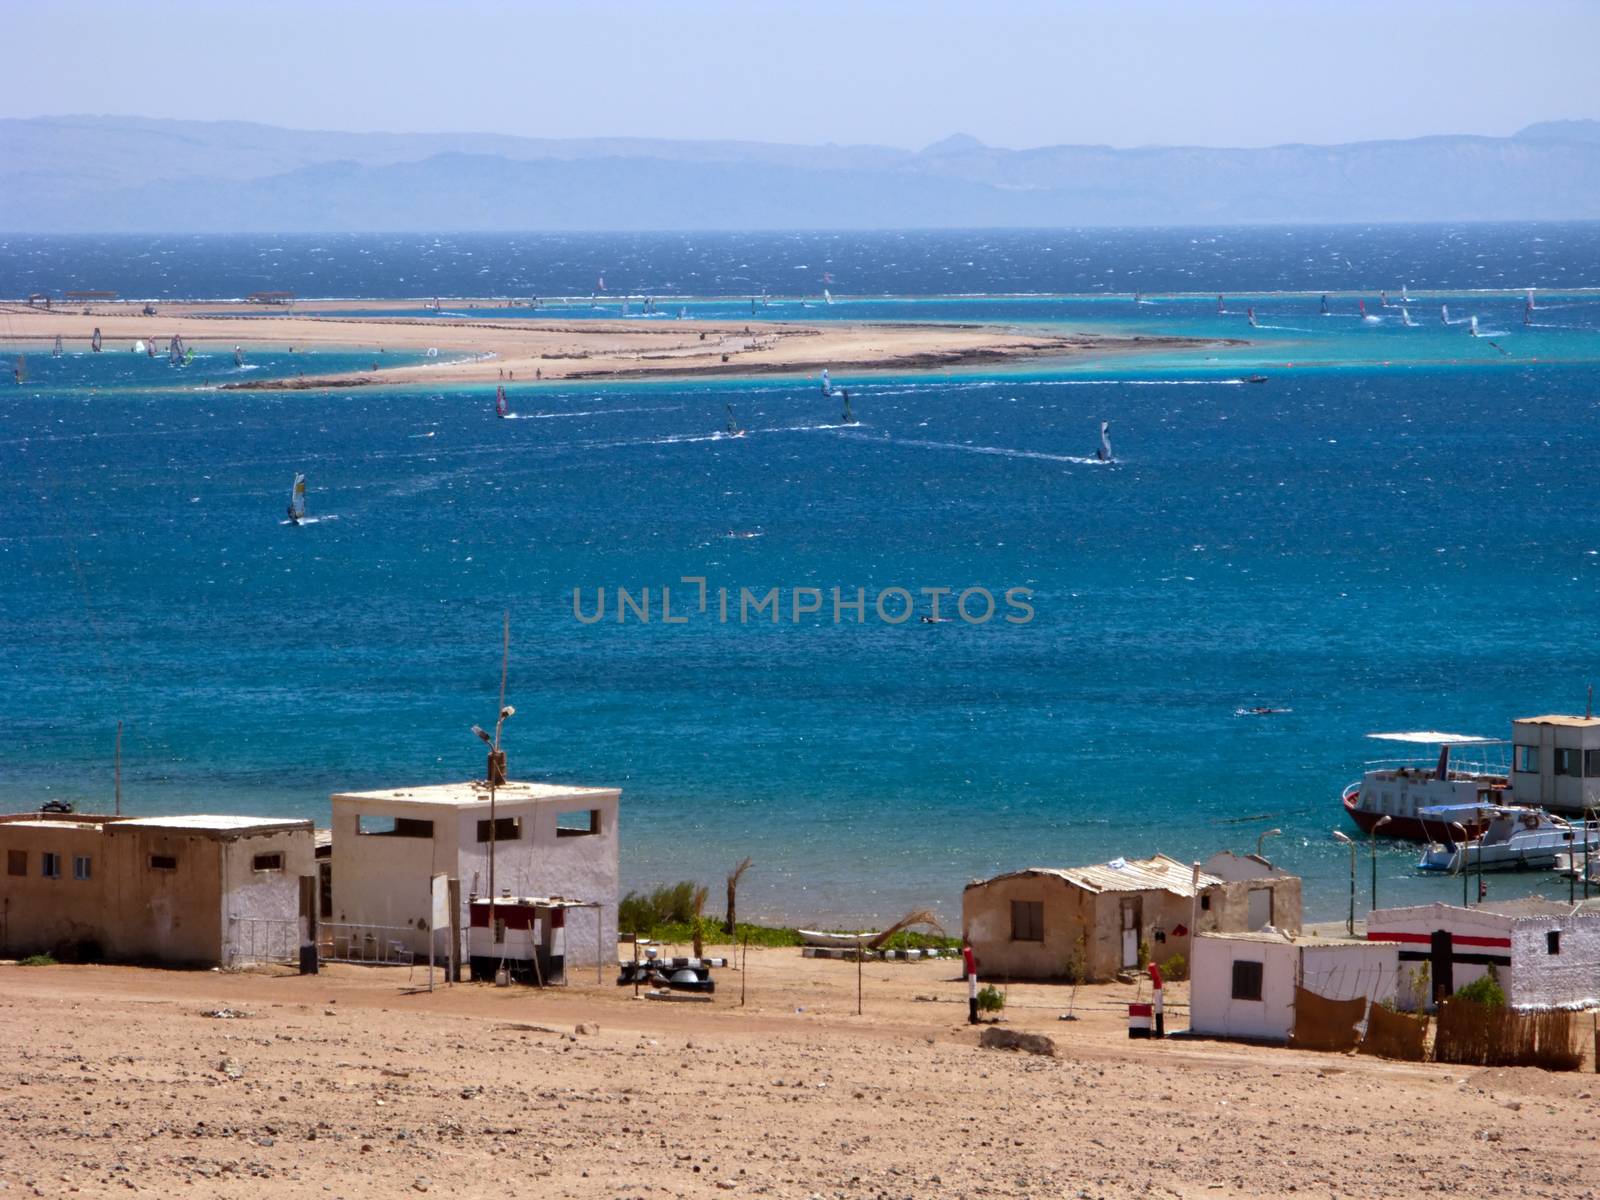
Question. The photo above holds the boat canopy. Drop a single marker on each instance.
(1432, 737)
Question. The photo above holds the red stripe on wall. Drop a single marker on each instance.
(1427, 939)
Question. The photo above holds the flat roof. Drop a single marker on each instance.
(212, 823)
(1558, 719)
(48, 823)
(1276, 937)
(474, 792)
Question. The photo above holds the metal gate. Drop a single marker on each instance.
(253, 940)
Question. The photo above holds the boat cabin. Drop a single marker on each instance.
(1555, 763)
(1402, 797)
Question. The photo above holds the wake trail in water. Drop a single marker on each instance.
(997, 451)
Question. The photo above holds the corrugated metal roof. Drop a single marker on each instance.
(1158, 874)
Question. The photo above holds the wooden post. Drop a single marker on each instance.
(744, 974)
(861, 953)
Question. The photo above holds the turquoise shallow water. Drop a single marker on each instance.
(1396, 532)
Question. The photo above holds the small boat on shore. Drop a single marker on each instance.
(1402, 789)
(836, 941)
(1516, 839)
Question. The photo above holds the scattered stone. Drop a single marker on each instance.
(226, 1014)
(1010, 1039)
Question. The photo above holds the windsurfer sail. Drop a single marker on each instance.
(1250, 315)
(1383, 299)
(297, 499)
(500, 409)
(137, 347)
(827, 388)
(1530, 299)
(1405, 316)
(175, 350)
(827, 296)
(1527, 312)
(1220, 308)
(1444, 313)
(55, 351)
(94, 342)
(1103, 453)
(1472, 326)
(1324, 303)
(238, 357)
(733, 423)
(847, 417)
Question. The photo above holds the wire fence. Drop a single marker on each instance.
(389, 945)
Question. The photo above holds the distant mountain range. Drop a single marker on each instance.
(131, 174)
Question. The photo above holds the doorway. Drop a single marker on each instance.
(1130, 933)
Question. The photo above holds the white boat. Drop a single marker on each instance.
(1516, 839)
(1403, 790)
(843, 941)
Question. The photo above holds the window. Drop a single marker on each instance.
(578, 824)
(1591, 763)
(1205, 903)
(16, 862)
(1246, 980)
(1552, 942)
(406, 827)
(50, 865)
(1569, 762)
(267, 862)
(1027, 920)
(506, 829)
(163, 862)
(1527, 759)
(82, 867)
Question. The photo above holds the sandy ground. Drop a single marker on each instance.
(348, 1084)
(525, 348)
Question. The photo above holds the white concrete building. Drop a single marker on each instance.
(1242, 985)
(1555, 763)
(549, 840)
(1545, 953)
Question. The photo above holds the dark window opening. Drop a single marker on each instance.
(163, 862)
(506, 829)
(16, 862)
(1246, 980)
(1205, 903)
(325, 899)
(50, 865)
(1569, 762)
(1552, 942)
(578, 824)
(1027, 920)
(406, 827)
(267, 862)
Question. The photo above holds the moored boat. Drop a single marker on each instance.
(1516, 839)
(1401, 789)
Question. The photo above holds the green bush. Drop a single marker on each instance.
(1144, 955)
(672, 904)
(37, 960)
(1485, 990)
(990, 999)
(1176, 967)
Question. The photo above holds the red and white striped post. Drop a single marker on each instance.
(969, 962)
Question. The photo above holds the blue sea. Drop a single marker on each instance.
(1396, 530)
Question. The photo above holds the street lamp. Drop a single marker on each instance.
(1261, 837)
(1379, 824)
(1350, 925)
(496, 776)
(1461, 862)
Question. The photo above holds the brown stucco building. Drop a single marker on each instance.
(1052, 922)
(182, 890)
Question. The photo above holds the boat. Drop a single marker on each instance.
(1516, 839)
(733, 423)
(500, 409)
(1255, 378)
(94, 342)
(1103, 452)
(297, 499)
(836, 941)
(1573, 864)
(1402, 789)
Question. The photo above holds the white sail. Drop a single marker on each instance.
(238, 357)
(1473, 323)
(297, 498)
(1405, 316)
(826, 386)
(138, 346)
(1530, 300)
(1250, 314)
(1444, 313)
(94, 342)
(827, 296)
(1104, 453)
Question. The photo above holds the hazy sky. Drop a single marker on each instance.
(904, 74)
